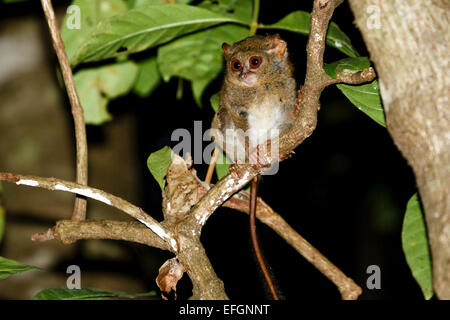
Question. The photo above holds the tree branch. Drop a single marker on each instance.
(69, 231)
(353, 77)
(192, 252)
(79, 211)
(109, 199)
(188, 247)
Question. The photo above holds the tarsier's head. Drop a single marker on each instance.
(255, 59)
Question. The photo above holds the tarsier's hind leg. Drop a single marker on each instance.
(227, 137)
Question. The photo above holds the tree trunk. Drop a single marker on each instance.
(408, 41)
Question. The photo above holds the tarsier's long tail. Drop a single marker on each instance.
(259, 257)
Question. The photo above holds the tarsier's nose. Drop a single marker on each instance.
(243, 75)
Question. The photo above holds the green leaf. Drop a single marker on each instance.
(214, 100)
(415, 246)
(238, 9)
(142, 28)
(222, 165)
(2, 215)
(158, 163)
(198, 57)
(13, 1)
(365, 97)
(84, 294)
(198, 87)
(90, 14)
(300, 22)
(2, 222)
(96, 86)
(148, 78)
(9, 267)
(139, 3)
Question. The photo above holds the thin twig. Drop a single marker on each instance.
(254, 24)
(353, 77)
(79, 210)
(211, 166)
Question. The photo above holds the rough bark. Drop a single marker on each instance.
(408, 42)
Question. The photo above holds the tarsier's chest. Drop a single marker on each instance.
(265, 119)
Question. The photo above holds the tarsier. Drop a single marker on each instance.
(258, 101)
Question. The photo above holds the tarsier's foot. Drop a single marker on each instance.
(234, 171)
(285, 156)
(259, 158)
(256, 158)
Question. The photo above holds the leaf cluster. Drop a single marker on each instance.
(177, 40)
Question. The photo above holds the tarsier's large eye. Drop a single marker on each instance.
(255, 61)
(236, 65)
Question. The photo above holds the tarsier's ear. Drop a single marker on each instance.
(225, 47)
(278, 45)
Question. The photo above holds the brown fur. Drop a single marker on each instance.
(274, 78)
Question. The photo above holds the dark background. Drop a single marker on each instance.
(345, 190)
